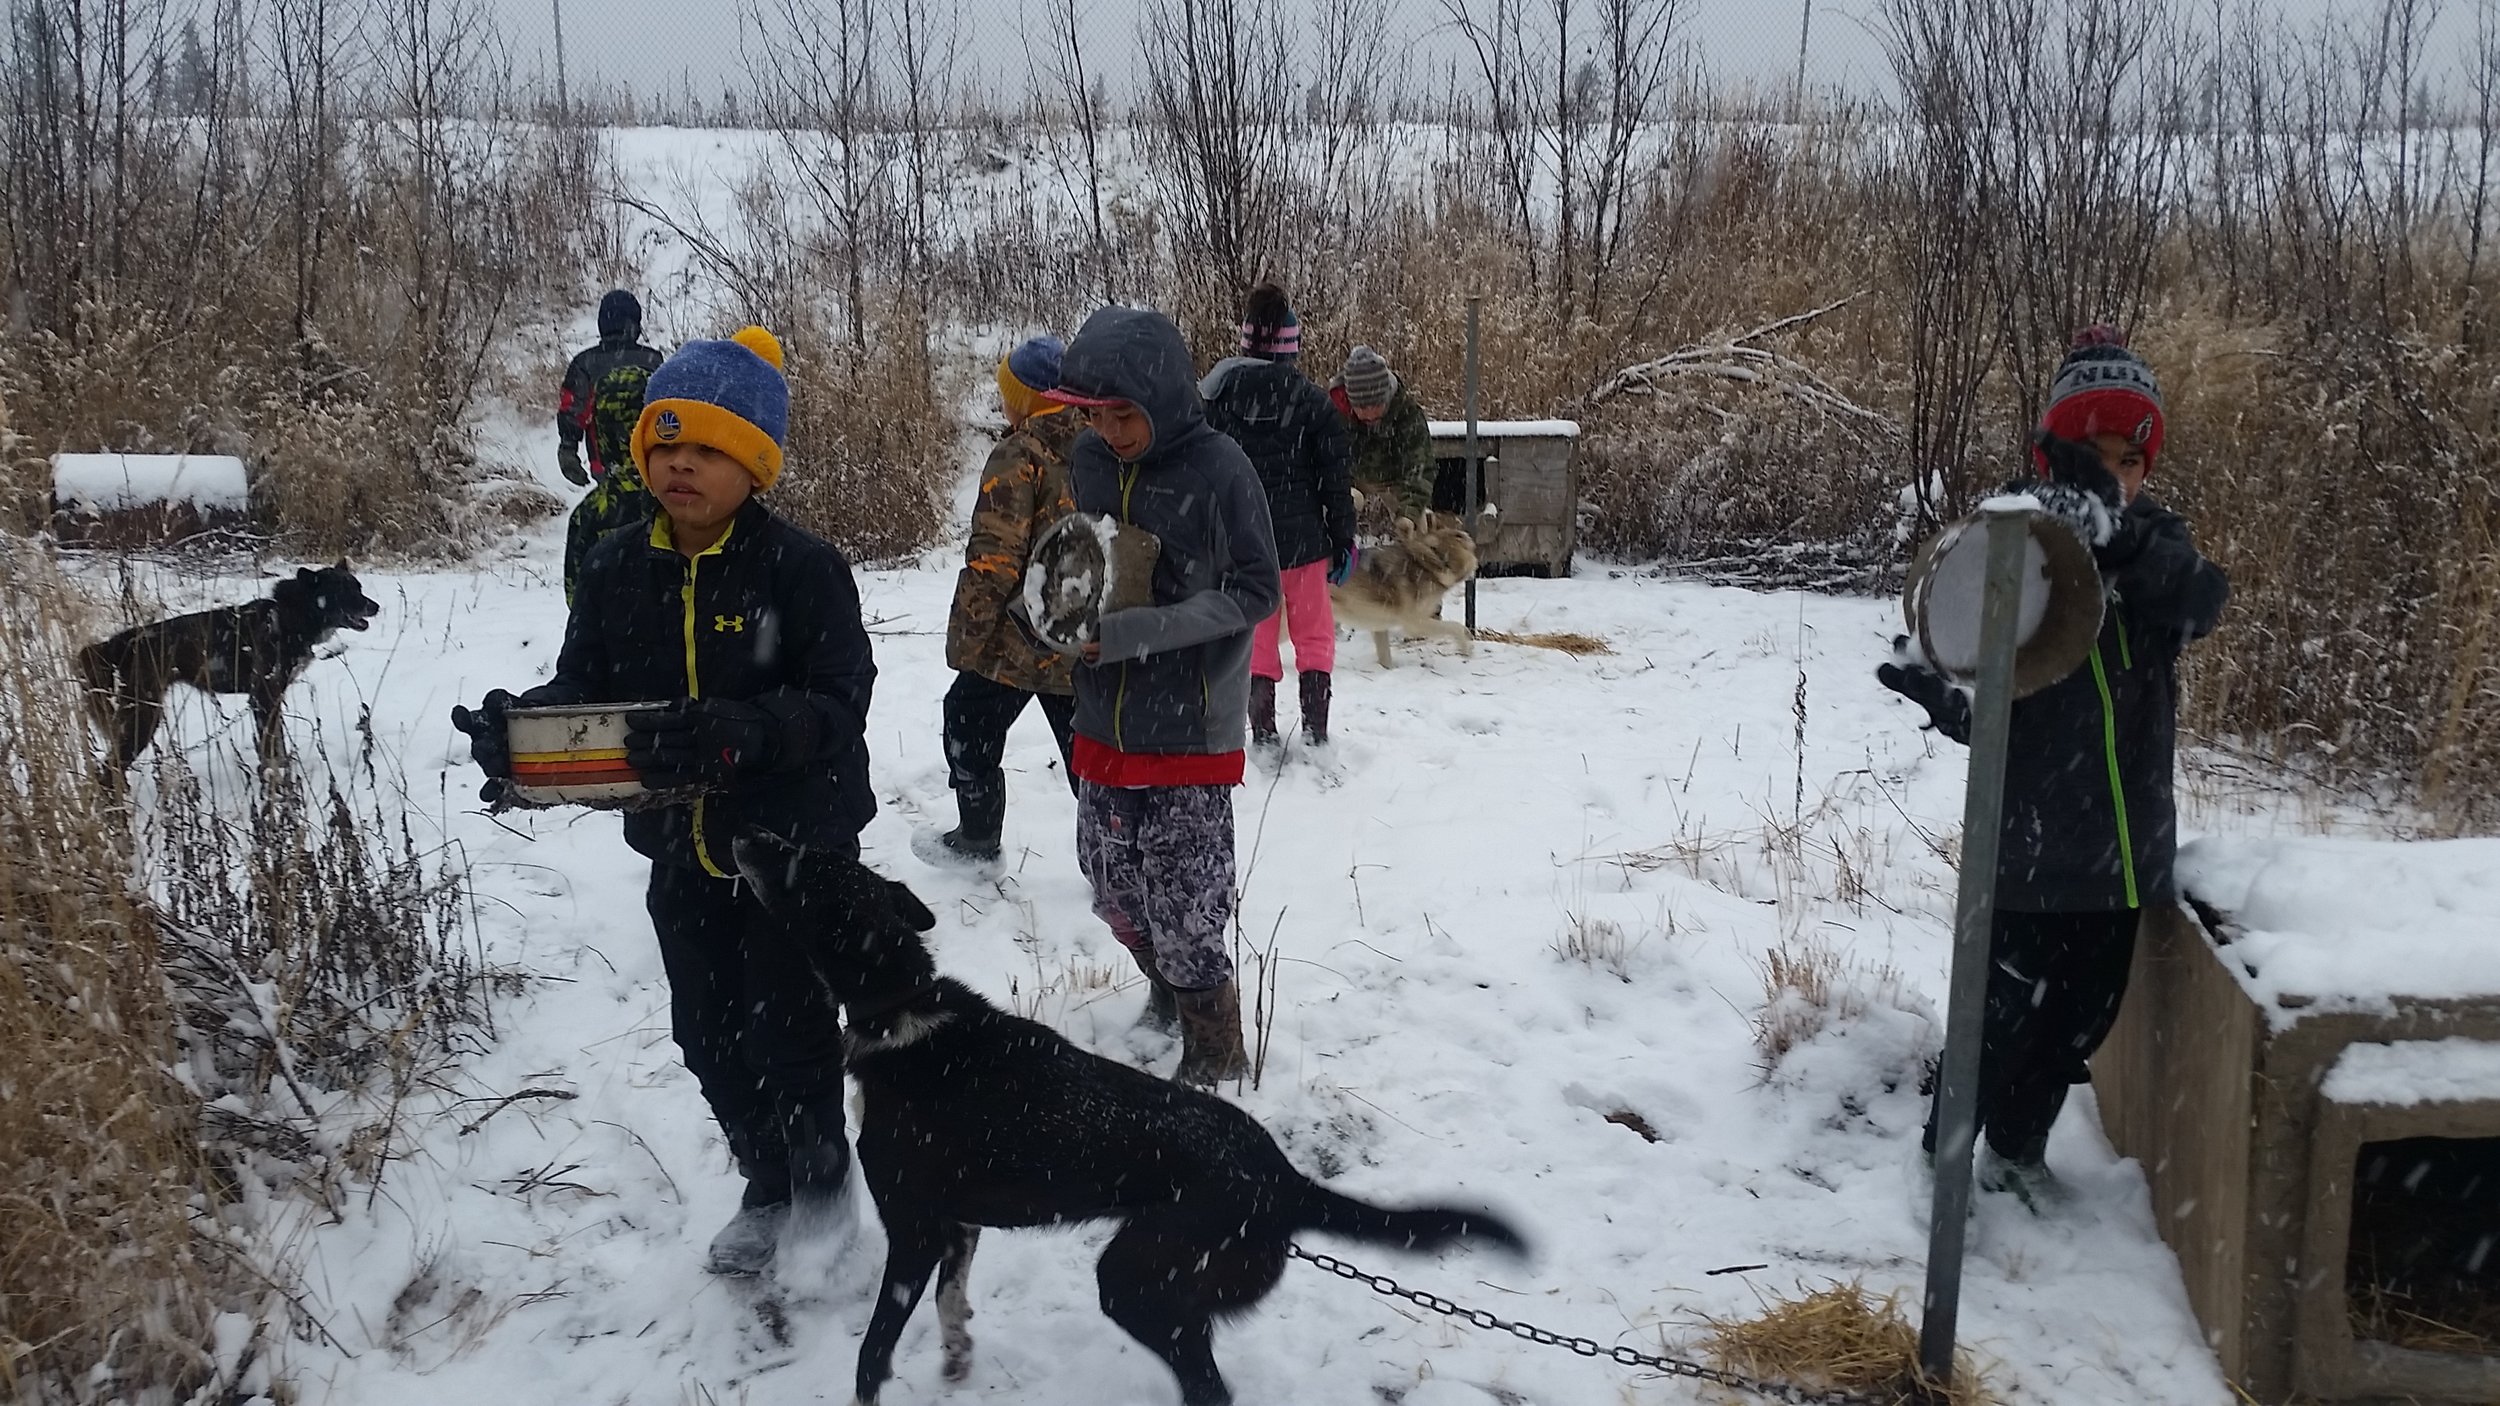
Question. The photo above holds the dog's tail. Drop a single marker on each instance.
(1422, 1228)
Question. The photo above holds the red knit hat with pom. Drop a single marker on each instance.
(2103, 388)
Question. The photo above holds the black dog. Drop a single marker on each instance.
(974, 1117)
(257, 649)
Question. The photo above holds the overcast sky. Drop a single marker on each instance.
(657, 44)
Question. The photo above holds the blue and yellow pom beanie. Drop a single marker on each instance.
(726, 395)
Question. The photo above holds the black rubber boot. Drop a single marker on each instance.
(1263, 712)
(1315, 692)
(980, 817)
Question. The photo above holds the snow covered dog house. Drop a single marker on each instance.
(128, 500)
(2308, 1069)
(1531, 473)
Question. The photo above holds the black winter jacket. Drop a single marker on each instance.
(1296, 440)
(1175, 675)
(2090, 820)
(769, 616)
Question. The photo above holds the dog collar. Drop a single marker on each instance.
(864, 1012)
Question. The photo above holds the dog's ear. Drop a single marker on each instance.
(908, 907)
(769, 867)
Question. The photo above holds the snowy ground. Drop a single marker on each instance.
(1539, 892)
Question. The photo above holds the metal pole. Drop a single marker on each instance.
(564, 108)
(1475, 309)
(1797, 94)
(1957, 1102)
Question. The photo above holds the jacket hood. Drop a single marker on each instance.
(620, 316)
(1137, 355)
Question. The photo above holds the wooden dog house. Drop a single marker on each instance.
(1531, 475)
(2318, 1112)
(133, 500)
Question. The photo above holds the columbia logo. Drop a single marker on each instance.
(729, 624)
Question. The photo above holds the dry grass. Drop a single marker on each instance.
(1560, 641)
(2465, 1325)
(1809, 986)
(873, 454)
(101, 1266)
(302, 962)
(1841, 1337)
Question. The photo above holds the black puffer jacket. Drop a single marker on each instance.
(1174, 675)
(770, 616)
(2090, 820)
(1297, 442)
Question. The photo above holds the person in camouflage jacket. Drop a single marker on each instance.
(1392, 439)
(600, 405)
(999, 667)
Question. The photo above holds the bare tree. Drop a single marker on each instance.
(1063, 64)
(1219, 90)
(817, 67)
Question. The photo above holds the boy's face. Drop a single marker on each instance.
(699, 487)
(2125, 459)
(1124, 427)
(1370, 414)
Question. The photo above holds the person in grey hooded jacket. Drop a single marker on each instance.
(1162, 694)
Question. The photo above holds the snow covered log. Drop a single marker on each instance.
(138, 499)
(2308, 1068)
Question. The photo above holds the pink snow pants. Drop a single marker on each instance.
(1308, 617)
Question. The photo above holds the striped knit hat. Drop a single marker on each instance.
(1368, 380)
(1268, 326)
(2103, 388)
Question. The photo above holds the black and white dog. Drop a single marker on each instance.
(975, 1117)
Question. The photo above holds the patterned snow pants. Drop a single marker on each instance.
(1160, 859)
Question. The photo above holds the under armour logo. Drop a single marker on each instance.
(729, 624)
(667, 427)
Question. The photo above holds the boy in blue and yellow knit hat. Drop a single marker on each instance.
(751, 627)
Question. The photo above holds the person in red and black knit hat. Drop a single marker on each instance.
(2090, 827)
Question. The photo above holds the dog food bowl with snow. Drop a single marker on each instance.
(1084, 567)
(2055, 625)
(574, 754)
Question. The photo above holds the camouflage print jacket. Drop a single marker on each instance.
(1394, 453)
(1024, 489)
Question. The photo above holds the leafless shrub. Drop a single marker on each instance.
(318, 221)
(196, 998)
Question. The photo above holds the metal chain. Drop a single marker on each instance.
(1587, 1347)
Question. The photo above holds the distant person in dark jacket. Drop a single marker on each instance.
(1297, 443)
(750, 629)
(1162, 692)
(999, 667)
(1392, 439)
(599, 406)
(2090, 829)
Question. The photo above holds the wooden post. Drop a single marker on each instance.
(1475, 308)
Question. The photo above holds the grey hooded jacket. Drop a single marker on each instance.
(1174, 675)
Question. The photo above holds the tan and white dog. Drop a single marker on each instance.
(1399, 586)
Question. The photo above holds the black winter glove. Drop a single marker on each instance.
(2081, 492)
(488, 747)
(701, 742)
(569, 459)
(1948, 708)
